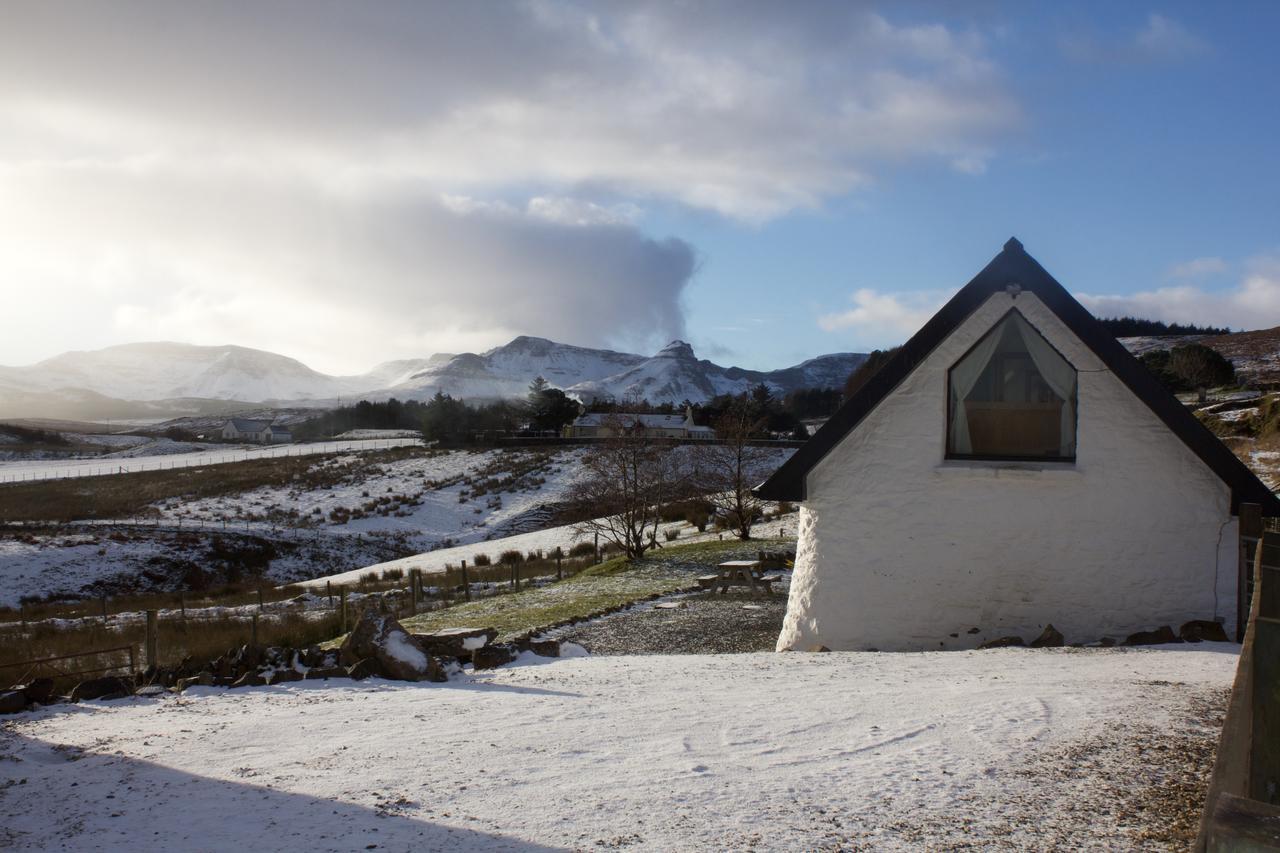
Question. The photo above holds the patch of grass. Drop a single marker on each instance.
(614, 583)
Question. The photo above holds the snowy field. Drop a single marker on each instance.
(446, 505)
(762, 751)
(163, 454)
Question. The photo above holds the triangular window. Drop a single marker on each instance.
(1012, 396)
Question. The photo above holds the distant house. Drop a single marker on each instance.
(1010, 467)
(258, 432)
(609, 424)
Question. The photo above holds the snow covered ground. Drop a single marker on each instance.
(165, 454)
(759, 751)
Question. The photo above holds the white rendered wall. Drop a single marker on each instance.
(899, 548)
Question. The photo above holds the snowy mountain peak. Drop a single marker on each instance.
(677, 349)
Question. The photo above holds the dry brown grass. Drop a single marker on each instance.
(132, 495)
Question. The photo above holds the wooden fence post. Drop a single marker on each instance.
(413, 589)
(515, 574)
(466, 584)
(1250, 528)
(253, 636)
(559, 570)
(260, 605)
(152, 641)
(342, 597)
(328, 590)
(597, 546)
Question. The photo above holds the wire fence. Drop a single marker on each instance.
(28, 471)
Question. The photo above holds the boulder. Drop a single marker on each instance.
(399, 654)
(1107, 642)
(38, 691)
(312, 656)
(819, 648)
(456, 642)
(151, 690)
(280, 676)
(1050, 638)
(1202, 629)
(367, 668)
(249, 679)
(1163, 634)
(1002, 643)
(322, 672)
(204, 679)
(104, 687)
(545, 648)
(491, 657)
(12, 701)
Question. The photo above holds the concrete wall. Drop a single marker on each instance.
(900, 548)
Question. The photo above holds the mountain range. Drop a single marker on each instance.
(162, 379)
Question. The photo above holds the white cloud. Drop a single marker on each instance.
(1199, 268)
(1165, 38)
(353, 182)
(885, 318)
(1159, 39)
(1253, 303)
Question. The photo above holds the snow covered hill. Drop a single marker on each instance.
(158, 379)
(676, 374)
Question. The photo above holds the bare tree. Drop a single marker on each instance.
(731, 469)
(630, 475)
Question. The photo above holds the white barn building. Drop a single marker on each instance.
(1012, 466)
(262, 432)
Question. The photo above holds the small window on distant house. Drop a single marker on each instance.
(1012, 397)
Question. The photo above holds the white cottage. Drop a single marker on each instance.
(1011, 466)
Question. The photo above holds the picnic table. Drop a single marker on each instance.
(743, 572)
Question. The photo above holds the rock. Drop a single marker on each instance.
(280, 676)
(150, 690)
(323, 672)
(1002, 643)
(1163, 634)
(248, 657)
(312, 656)
(38, 691)
(1050, 638)
(1107, 642)
(249, 679)
(545, 648)
(819, 648)
(1202, 629)
(12, 701)
(367, 668)
(399, 654)
(491, 657)
(204, 679)
(456, 642)
(105, 687)
(972, 631)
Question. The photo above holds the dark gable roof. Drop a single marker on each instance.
(1015, 266)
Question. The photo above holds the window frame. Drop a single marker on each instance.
(948, 455)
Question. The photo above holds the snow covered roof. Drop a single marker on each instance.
(246, 425)
(595, 419)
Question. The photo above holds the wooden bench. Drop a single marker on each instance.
(708, 581)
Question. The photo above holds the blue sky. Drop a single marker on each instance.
(353, 183)
(1127, 165)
